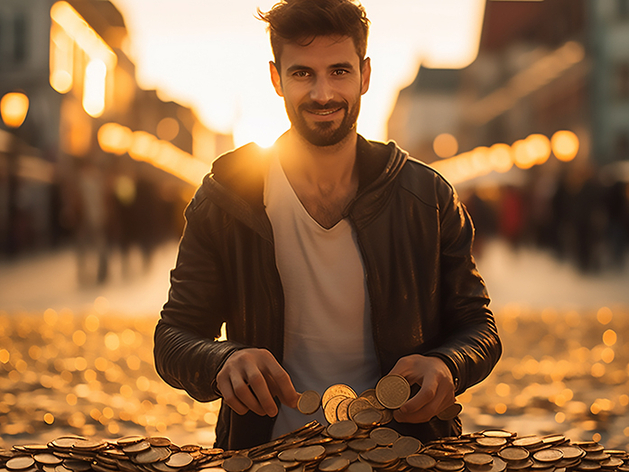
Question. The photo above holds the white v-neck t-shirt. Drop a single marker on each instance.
(327, 329)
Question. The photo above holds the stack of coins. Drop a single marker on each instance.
(372, 407)
(342, 446)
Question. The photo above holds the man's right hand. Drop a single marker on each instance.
(249, 380)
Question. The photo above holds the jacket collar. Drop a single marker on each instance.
(236, 182)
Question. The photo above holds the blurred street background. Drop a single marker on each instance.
(112, 112)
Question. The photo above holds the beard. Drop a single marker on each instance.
(324, 133)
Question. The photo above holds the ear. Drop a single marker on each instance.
(365, 75)
(275, 78)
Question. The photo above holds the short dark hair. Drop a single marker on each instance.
(301, 21)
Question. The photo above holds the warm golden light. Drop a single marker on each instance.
(114, 138)
(13, 108)
(500, 157)
(82, 33)
(522, 156)
(445, 145)
(565, 145)
(167, 128)
(94, 88)
(143, 146)
(61, 59)
(539, 148)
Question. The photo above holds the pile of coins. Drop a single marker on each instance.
(342, 446)
(374, 406)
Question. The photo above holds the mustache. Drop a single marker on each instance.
(314, 106)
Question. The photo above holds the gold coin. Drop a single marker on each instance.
(548, 455)
(271, 467)
(359, 466)
(287, 455)
(342, 413)
(522, 465)
(612, 463)
(478, 459)
(384, 436)
(554, 439)
(527, 441)
(589, 466)
(152, 455)
(370, 396)
(309, 402)
(309, 453)
(356, 405)
(329, 410)
(450, 412)
(405, 446)
(393, 391)
(387, 416)
(47, 459)
(342, 429)
(571, 452)
(128, 440)
(334, 447)
(498, 433)
(514, 454)
(159, 441)
(381, 455)
(491, 441)
(336, 390)
(333, 464)
(450, 465)
(367, 418)
(498, 465)
(421, 461)
(20, 463)
(77, 465)
(179, 459)
(362, 444)
(237, 463)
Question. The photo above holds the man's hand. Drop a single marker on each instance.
(249, 380)
(437, 388)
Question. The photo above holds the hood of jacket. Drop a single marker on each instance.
(236, 182)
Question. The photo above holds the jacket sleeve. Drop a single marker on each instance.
(187, 353)
(472, 346)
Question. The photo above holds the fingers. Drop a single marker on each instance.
(250, 378)
(436, 392)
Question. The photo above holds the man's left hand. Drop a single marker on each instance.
(436, 392)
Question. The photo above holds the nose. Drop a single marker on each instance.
(321, 91)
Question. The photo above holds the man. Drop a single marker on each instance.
(330, 258)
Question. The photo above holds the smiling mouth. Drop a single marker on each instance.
(324, 112)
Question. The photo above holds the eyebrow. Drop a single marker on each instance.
(338, 65)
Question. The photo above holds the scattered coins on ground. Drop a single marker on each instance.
(339, 447)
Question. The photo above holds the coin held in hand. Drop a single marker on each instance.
(393, 391)
(309, 402)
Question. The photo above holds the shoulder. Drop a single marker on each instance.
(425, 183)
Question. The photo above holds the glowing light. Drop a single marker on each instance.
(61, 59)
(13, 108)
(609, 337)
(445, 145)
(114, 138)
(500, 157)
(604, 315)
(522, 155)
(538, 147)
(94, 88)
(82, 33)
(143, 146)
(565, 145)
(167, 128)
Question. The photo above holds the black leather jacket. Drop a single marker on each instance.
(426, 294)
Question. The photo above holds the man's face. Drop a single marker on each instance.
(321, 84)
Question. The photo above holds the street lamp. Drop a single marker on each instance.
(13, 109)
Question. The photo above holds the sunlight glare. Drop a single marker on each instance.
(214, 57)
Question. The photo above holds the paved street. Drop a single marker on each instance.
(525, 277)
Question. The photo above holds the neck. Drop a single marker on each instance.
(316, 165)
